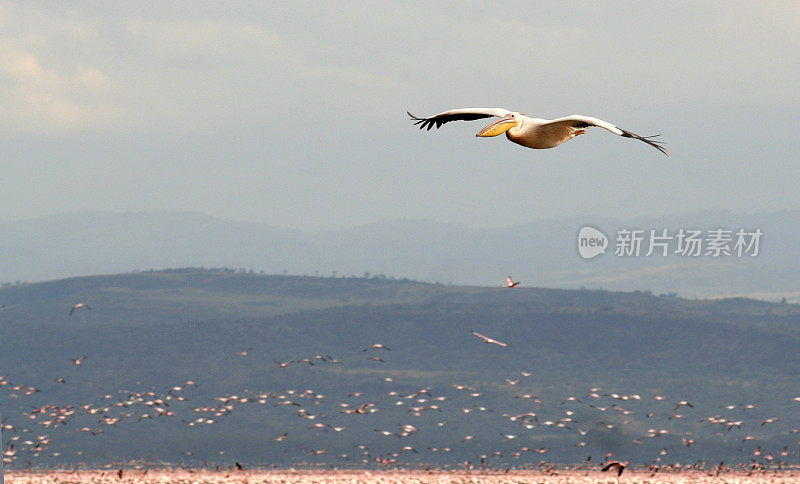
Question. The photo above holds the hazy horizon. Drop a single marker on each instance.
(540, 253)
(589, 217)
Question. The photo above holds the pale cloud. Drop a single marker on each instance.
(38, 98)
(40, 92)
(18, 64)
(92, 78)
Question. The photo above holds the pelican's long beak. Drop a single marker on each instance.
(499, 127)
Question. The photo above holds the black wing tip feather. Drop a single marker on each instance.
(425, 122)
(647, 139)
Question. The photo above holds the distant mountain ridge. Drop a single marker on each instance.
(539, 253)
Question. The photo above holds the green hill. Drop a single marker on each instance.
(152, 331)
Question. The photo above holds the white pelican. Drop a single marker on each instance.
(530, 132)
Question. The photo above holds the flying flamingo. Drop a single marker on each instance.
(614, 464)
(489, 340)
(78, 306)
(377, 346)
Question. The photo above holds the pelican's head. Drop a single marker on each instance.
(502, 125)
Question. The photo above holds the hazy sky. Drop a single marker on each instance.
(293, 113)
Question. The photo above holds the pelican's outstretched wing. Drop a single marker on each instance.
(461, 114)
(578, 121)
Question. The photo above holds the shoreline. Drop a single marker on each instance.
(395, 476)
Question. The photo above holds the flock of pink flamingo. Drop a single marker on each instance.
(413, 420)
